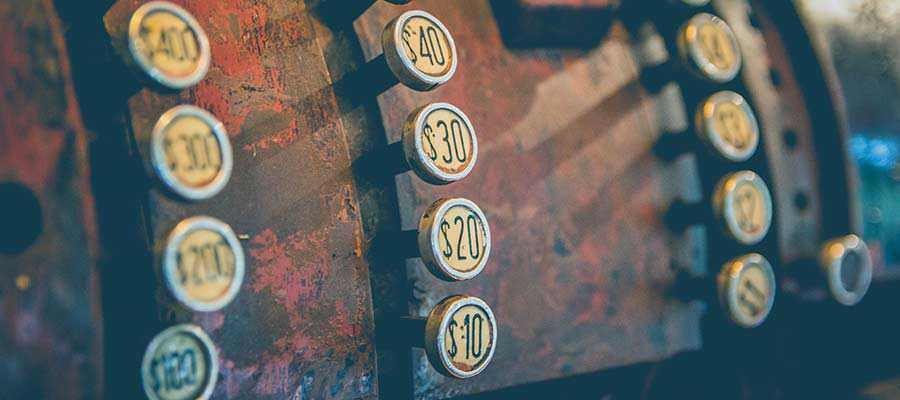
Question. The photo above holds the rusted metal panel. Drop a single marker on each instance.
(51, 336)
(554, 23)
(301, 325)
(580, 261)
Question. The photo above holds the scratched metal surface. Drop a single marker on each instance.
(301, 326)
(580, 260)
(50, 341)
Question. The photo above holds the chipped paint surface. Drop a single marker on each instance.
(51, 336)
(301, 326)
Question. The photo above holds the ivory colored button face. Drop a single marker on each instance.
(168, 45)
(743, 205)
(847, 265)
(191, 153)
(180, 364)
(747, 289)
(419, 50)
(203, 263)
(454, 239)
(440, 143)
(728, 126)
(460, 336)
(709, 48)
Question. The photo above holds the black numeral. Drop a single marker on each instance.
(173, 371)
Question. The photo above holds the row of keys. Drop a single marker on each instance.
(170, 49)
(453, 239)
(191, 155)
(189, 152)
(741, 200)
(459, 337)
(727, 128)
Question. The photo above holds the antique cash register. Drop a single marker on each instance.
(442, 199)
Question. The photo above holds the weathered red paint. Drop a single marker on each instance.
(301, 325)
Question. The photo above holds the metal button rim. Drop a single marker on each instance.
(209, 352)
(723, 204)
(402, 66)
(697, 63)
(158, 155)
(428, 239)
(412, 145)
(713, 139)
(832, 267)
(436, 328)
(170, 261)
(147, 66)
(728, 280)
(695, 3)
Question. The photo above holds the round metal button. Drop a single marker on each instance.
(460, 336)
(180, 364)
(747, 289)
(419, 50)
(168, 45)
(454, 239)
(709, 48)
(847, 265)
(190, 153)
(203, 263)
(696, 3)
(743, 206)
(439, 143)
(727, 125)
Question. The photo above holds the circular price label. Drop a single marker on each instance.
(180, 364)
(419, 50)
(168, 45)
(709, 48)
(461, 335)
(440, 143)
(203, 263)
(454, 239)
(191, 153)
(743, 204)
(747, 289)
(728, 126)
